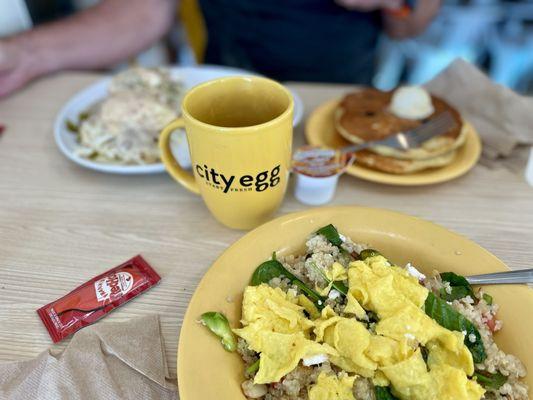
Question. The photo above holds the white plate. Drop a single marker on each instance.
(191, 76)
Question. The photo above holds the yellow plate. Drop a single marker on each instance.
(207, 371)
(320, 131)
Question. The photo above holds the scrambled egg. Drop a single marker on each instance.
(276, 327)
(268, 309)
(397, 298)
(334, 273)
(411, 380)
(124, 127)
(331, 387)
(281, 353)
(382, 288)
(350, 338)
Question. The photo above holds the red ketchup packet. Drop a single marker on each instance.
(97, 297)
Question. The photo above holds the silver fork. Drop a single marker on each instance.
(507, 277)
(413, 138)
(402, 140)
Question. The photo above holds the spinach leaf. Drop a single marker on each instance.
(490, 381)
(331, 234)
(459, 285)
(274, 269)
(337, 285)
(425, 353)
(488, 298)
(447, 317)
(454, 279)
(456, 292)
(83, 116)
(372, 317)
(340, 287)
(383, 393)
(268, 270)
(252, 369)
(363, 255)
(72, 127)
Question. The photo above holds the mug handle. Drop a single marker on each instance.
(174, 169)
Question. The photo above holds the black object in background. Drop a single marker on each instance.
(48, 10)
(293, 40)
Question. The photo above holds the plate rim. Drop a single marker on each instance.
(308, 215)
(472, 139)
(117, 169)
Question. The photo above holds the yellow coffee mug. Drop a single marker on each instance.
(239, 131)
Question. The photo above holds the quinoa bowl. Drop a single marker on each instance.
(205, 370)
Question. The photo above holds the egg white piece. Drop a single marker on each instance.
(414, 272)
(314, 360)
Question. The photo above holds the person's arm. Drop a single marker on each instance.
(414, 23)
(100, 36)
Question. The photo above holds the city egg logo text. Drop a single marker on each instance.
(245, 183)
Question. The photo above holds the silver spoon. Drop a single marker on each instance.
(508, 277)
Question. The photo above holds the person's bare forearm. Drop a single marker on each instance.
(413, 24)
(100, 36)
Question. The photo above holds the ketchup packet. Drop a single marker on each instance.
(95, 298)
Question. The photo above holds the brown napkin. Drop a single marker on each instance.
(502, 118)
(121, 360)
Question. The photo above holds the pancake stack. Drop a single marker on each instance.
(366, 115)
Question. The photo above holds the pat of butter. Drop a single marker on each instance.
(411, 102)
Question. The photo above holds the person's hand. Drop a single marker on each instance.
(369, 5)
(15, 66)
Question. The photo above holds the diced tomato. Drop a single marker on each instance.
(277, 385)
(491, 324)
